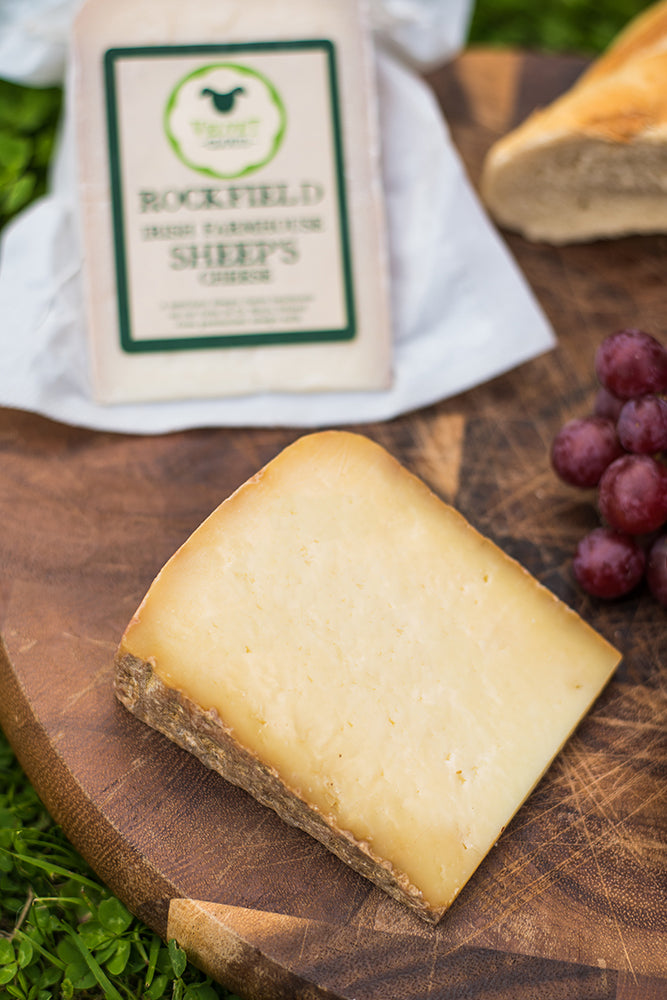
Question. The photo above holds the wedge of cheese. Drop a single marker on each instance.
(346, 647)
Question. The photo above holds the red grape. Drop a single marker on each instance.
(632, 495)
(607, 405)
(656, 569)
(631, 363)
(583, 449)
(621, 449)
(642, 425)
(608, 563)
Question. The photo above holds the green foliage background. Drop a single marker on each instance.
(577, 26)
(28, 121)
(62, 934)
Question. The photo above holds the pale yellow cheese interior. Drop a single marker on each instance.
(397, 669)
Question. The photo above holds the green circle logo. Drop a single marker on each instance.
(225, 120)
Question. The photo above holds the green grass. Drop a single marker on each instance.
(62, 934)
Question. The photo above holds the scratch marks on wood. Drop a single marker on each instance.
(115, 787)
(602, 881)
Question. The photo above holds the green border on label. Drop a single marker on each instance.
(128, 342)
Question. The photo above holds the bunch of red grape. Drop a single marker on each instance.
(621, 450)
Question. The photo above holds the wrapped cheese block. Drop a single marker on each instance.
(594, 163)
(232, 214)
(347, 648)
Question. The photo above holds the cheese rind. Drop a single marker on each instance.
(346, 647)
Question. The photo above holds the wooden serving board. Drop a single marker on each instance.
(570, 904)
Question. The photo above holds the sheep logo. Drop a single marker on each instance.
(224, 103)
(225, 120)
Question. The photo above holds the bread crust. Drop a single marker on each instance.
(592, 164)
(647, 32)
(203, 734)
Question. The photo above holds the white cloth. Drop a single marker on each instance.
(463, 313)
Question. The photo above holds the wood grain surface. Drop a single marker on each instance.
(570, 904)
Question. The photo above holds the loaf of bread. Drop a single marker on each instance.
(348, 649)
(593, 164)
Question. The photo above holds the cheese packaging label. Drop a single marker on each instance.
(230, 199)
(244, 208)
